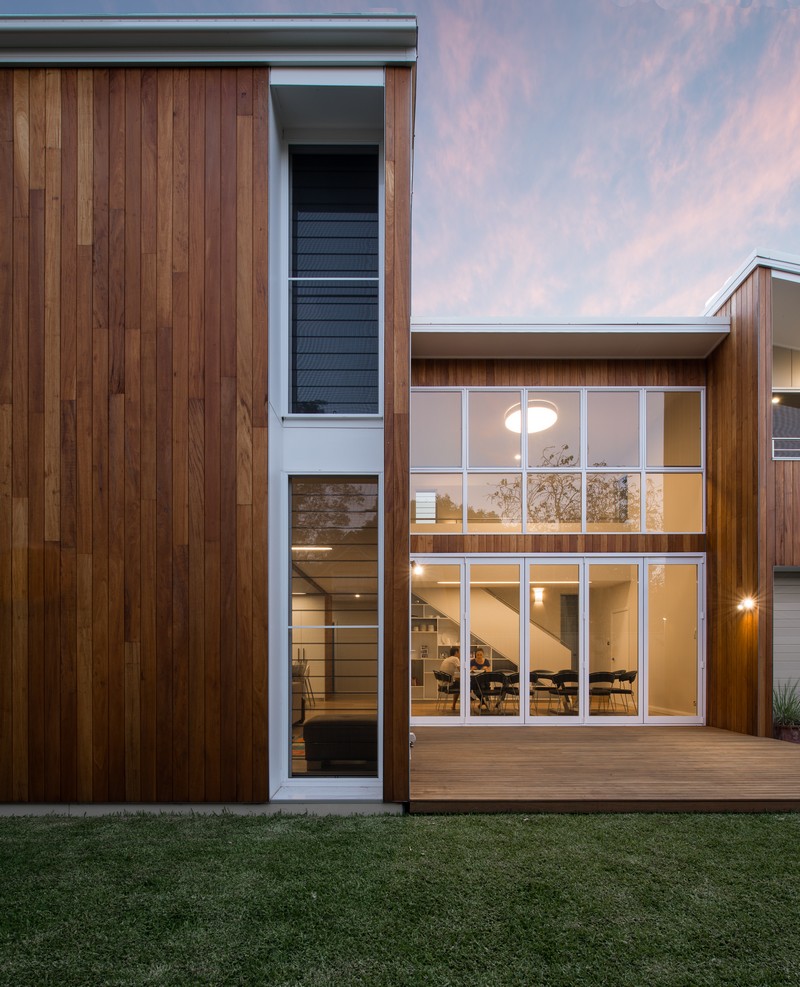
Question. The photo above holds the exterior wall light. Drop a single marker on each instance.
(747, 604)
(541, 415)
(417, 569)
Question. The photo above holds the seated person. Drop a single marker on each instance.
(479, 663)
(452, 664)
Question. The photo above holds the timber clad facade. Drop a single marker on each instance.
(157, 590)
(134, 294)
(133, 436)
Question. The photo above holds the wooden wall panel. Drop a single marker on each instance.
(133, 445)
(733, 516)
(399, 108)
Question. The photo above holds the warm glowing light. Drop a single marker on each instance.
(541, 415)
(776, 399)
(747, 604)
(538, 595)
(417, 569)
(312, 548)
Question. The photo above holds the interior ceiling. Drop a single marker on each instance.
(786, 313)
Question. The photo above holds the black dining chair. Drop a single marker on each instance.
(511, 689)
(489, 689)
(565, 692)
(600, 684)
(446, 686)
(625, 688)
(541, 682)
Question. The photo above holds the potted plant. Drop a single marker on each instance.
(786, 712)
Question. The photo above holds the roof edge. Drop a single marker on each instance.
(385, 38)
(775, 260)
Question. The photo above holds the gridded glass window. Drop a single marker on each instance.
(612, 501)
(436, 503)
(494, 502)
(494, 429)
(613, 425)
(674, 432)
(554, 429)
(436, 429)
(554, 502)
(674, 502)
(334, 280)
(592, 460)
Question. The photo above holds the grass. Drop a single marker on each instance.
(471, 900)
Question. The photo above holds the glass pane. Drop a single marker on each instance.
(494, 502)
(612, 501)
(672, 640)
(613, 426)
(436, 503)
(494, 624)
(613, 640)
(554, 502)
(335, 212)
(493, 442)
(333, 632)
(673, 428)
(436, 429)
(436, 640)
(556, 445)
(334, 348)
(554, 637)
(675, 502)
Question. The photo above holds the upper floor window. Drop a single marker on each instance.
(562, 460)
(785, 368)
(334, 280)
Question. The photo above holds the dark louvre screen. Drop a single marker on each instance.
(334, 286)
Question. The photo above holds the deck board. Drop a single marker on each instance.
(601, 768)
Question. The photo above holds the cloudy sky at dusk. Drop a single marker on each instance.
(583, 157)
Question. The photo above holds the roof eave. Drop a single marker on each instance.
(297, 40)
(775, 260)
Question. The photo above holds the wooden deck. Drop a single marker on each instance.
(601, 769)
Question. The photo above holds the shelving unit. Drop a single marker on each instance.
(432, 636)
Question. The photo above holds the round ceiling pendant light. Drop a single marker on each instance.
(541, 415)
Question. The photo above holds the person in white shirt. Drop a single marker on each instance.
(452, 664)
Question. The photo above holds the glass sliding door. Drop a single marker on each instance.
(612, 679)
(494, 642)
(554, 649)
(334, 627)
(436, 659)
(673, 641)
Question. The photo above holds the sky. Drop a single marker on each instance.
(582, 158)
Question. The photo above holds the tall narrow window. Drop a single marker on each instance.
(334, 281)
(333, 626)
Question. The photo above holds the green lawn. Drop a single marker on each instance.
(596, 899)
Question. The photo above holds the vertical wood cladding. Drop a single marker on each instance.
(736, 402)
(397, 301)
(133, 527)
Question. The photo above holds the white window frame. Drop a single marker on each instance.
(583, 470)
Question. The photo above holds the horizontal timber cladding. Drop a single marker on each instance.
(738, 695)
(133, 573)
(558, 373)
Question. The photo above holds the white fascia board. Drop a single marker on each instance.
(775, 260)
(298, 40)
(682, 338)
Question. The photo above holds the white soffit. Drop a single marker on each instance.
(274, 40)
(644, 339)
